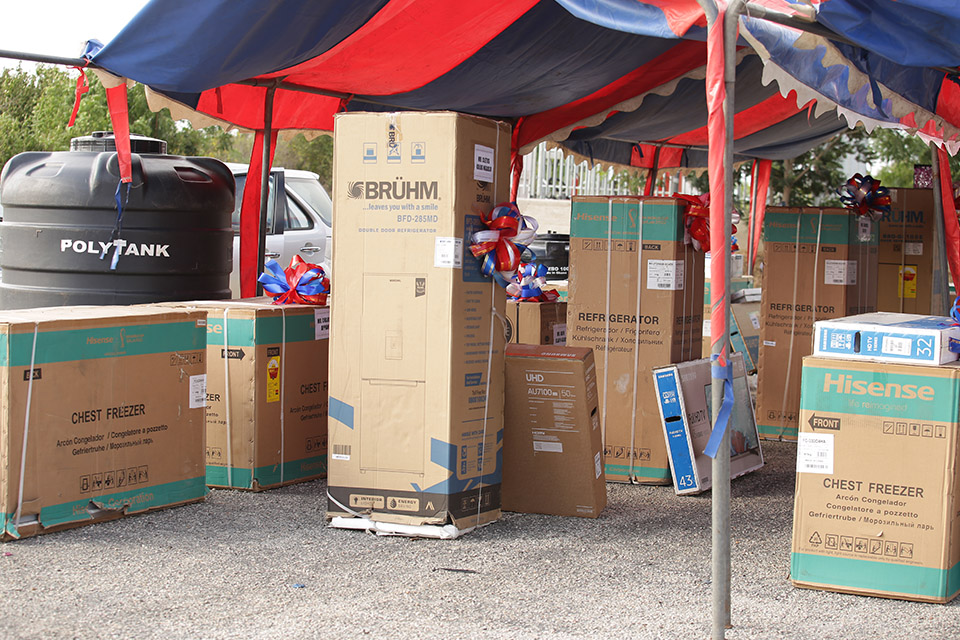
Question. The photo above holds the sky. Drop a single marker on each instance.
(60, 27)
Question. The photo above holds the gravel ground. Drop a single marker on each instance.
(245, 565)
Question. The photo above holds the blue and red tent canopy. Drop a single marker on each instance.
(598, 76)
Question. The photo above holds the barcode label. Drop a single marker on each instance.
(198, 391)
(341, 452)
(815, 453)
(896, 346)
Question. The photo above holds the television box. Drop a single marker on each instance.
(744, 327)
(416, 386)
(820, 264)
(537, 322)
(889, 337)
(684, 391)
(266, 392)
(906, 253)
(552, 447)
(102, 414)
(877, 502)
(620, 247)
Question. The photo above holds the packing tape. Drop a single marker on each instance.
(283, 372)
(793, 322)
(636, 339)
(26, 428)
(724, 372)
(226, 397)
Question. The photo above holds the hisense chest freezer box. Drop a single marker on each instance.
(636, 299)
(889, 337)
(101, 414)
(820, 264)
(266, 392)
(416, 344)
(877, 502)
(552, 446)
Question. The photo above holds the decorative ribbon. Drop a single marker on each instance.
(501, 244)
(864, 196)
(115, 240)
(696, 221)
(82, 87)
(301, 282)
(529, 282)
(724, 372)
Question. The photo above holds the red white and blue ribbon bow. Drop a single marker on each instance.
(529, 283)
(301, 282)
(696, 221)
(864, 196)
(501, 244)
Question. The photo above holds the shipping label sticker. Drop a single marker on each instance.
(560, 333)
(815, 453)
(865, 229)
(273, 379)
(896, 346)
(597, 464)
(769, 343)
(665, 275)
(321, 323)
(198, 391)
(482, 163)
(554, 447)
(840, 272)
(754, 319)
(706, 327)
(913, 248)
(448, 253)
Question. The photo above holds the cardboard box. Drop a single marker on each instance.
(889, 337)
(639, 248)
(266, 392)
(820, 264)
(102, 414)
(537, 322)
(744, 326)
(686, 412)
(877, 507)
(906, 253)
(416, 386)
(552, 446)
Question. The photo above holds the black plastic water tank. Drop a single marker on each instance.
(59, 211)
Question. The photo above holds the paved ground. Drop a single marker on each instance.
(244, 565)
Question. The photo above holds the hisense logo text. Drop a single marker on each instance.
(850, 385)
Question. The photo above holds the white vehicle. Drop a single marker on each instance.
(302, 226)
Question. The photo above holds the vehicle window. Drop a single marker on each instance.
(313, 193)
(296, 218)
(241, 181)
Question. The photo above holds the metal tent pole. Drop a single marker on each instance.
(265, 181)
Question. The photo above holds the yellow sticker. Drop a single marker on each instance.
(908, 282)
(273, 379)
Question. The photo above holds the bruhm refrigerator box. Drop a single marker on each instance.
(820, 264)
(889, 337)
(537, 322)
(686, 410)
(552, 446)
(102, 414)
(416, 338)
(266, 392)
(621, 247)
(906, 253)
(876, 508)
